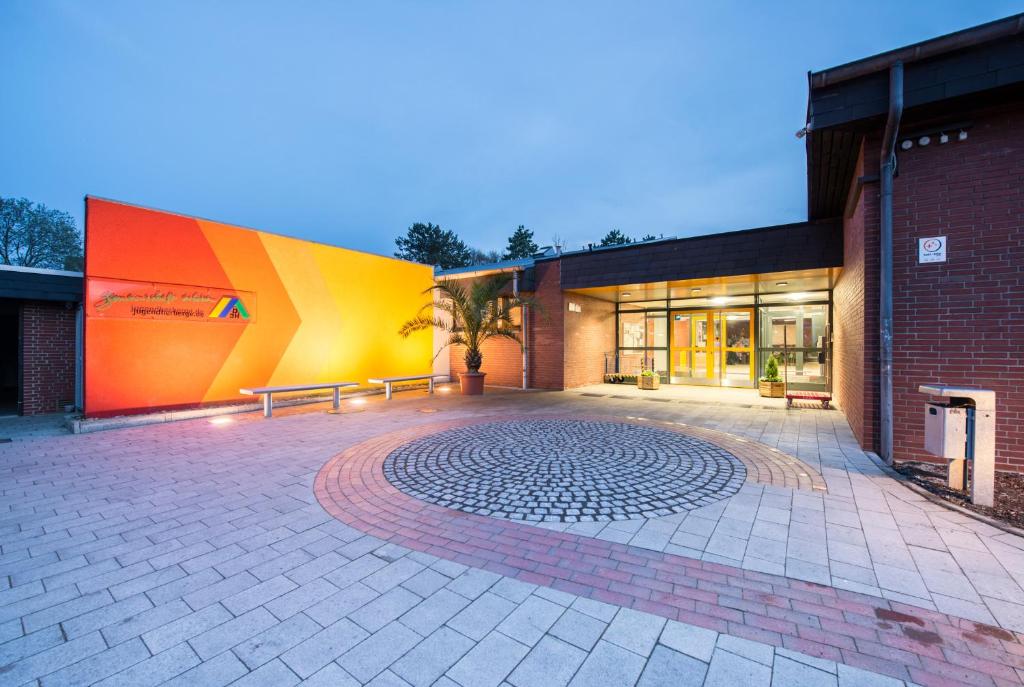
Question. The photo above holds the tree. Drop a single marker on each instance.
(615, 238)
(649, 237)
(520, 244)
(431, 245)
(33, 235)
(483, 257)
(474, 314)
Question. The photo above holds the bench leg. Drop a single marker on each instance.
(337, 398)
(430, 385)
(268, 406)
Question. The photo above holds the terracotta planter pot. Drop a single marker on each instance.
(472, 383)
(772, 389)
(648, 382)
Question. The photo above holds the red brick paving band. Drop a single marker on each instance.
(904, 641)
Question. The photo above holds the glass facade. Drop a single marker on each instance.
(691, 342)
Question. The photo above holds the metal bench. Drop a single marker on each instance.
(389, 381)
(269, 391)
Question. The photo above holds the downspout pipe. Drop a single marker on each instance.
(887, 172)
(522, 325)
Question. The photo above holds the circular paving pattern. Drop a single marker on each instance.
(564, 470)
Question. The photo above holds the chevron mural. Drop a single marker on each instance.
(182, 312)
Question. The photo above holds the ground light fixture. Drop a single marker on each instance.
(221, 420)
(357, 401)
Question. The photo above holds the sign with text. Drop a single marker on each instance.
(931, 249)
(114, 298)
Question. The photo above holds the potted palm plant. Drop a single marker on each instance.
(771, 385)
(472, 315)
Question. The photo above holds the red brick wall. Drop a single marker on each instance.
(503, 362)
(547, 329)
(588, 336)
(962, 322)
(855, 307)
(48, 357)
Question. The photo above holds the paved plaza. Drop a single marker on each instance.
(520, 539)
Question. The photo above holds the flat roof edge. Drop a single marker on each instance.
(932, 47)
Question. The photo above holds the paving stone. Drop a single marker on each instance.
(529, 621)
(323, 647)
(691, 640)
(755, 651)
(857, 677)
(426, 582)
(578, 629)
(481, 616)
(489, 662)
(473, 582)
(258, 595)
(375, 653)
(729, 670)
(230, 633)
(156, 669)
(609, 666)
(385, 608)
(789, 673)
(273, 674)
(551, 662)
(290, 603)
(668, 668)
(222, 669)
(393, 574)
(635, 631)
(331, 675)
(275, 640)
(185, 627)
(387, 679)
(91, 670)
(144, 621)
(340, 604)
(434, 612)
(432, 657)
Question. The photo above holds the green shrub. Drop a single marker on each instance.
(771, 370)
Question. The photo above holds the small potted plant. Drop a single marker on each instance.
(648, 380)
(771, 385)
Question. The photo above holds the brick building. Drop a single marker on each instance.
(711, 310)
(39, 321)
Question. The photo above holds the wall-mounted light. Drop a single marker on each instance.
(943, 137)
(907, 144)
(924, 140)
(962, 136)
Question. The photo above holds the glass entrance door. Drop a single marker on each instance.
(712, 347)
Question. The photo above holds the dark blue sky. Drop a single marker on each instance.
(345, 122)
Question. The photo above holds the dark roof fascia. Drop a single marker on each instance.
(922, 50)
(40, 285)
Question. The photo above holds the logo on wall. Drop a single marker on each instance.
(230, 306)
(110, 298)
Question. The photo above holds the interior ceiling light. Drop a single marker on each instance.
(782, 283)
(719, 300)
(695, 289)
(800, 296)
(626, 294)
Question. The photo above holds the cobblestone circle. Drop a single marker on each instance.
(564, 470)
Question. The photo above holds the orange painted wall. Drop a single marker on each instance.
(316, 313)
